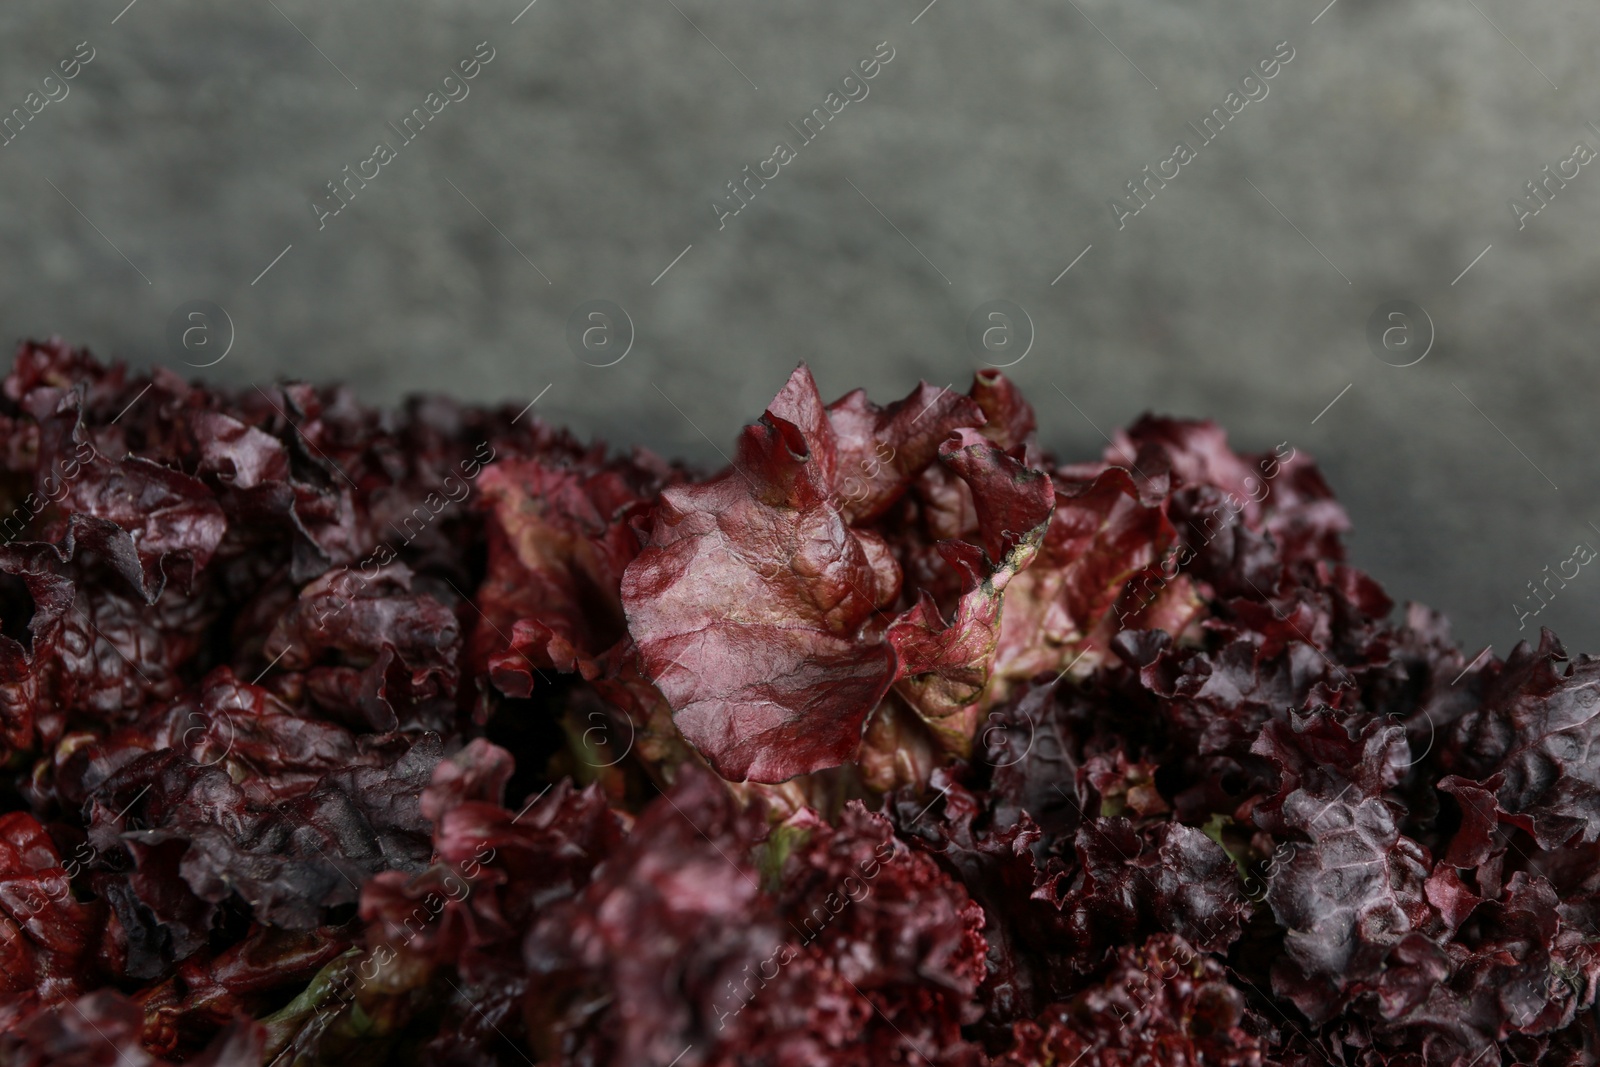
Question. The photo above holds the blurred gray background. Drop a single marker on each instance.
(186, 155)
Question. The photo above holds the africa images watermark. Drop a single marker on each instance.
(821, 915)
(346, 584)
(855, 89)
(1219, 518)
(33, 897)
(1542, 190)
(1251, 88)
(455, 89)
(343, 991)
(67, 469)
(1582, 554)
(36, 101)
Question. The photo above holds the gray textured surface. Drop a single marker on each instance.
(597, 137)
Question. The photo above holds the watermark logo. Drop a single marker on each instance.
(852, 89)
(1582, 554)
(1142, 190)
(1000, 333)
(52, 90)
(598, 739)
(342, 191)
(199, 333)
(1008, 744)
(600, 333)
(1400, 333)
(201, 736)
(1542, 188)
